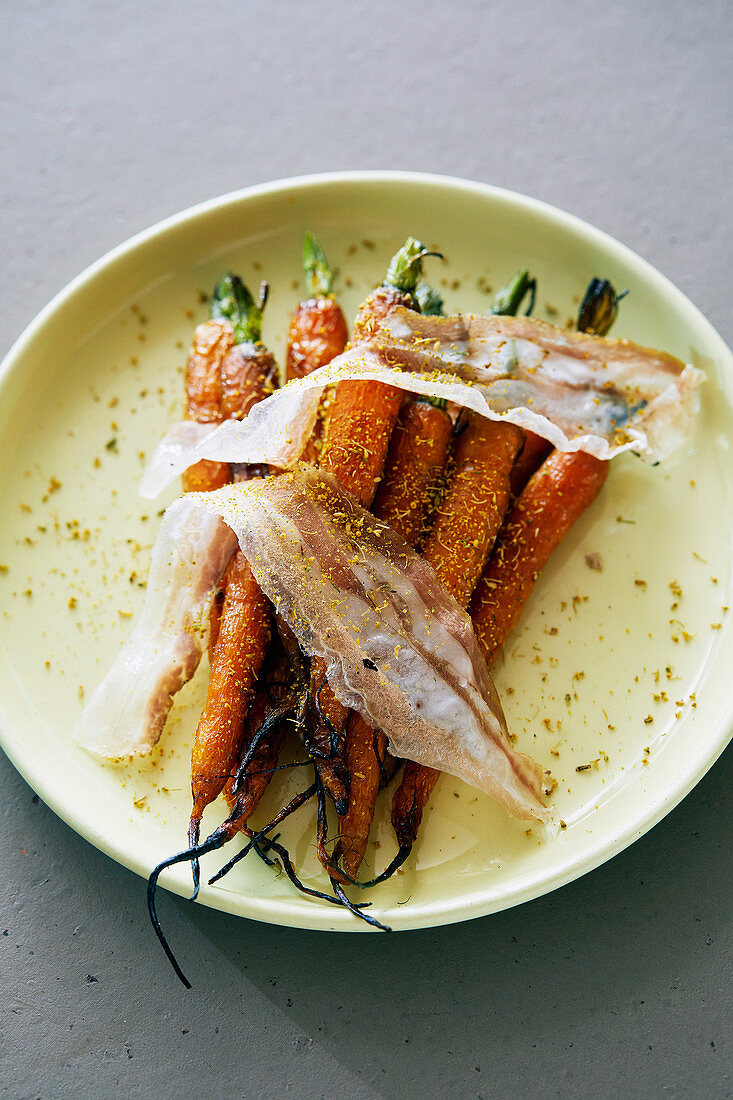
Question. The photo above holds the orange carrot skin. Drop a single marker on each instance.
(248, 375)
(534, 452)
(473, 508)
(206, 475)
(260, 770)
(417, 456)
(244, 633)
(375, 308)
(361, 419)
(363, 414)
(564, 486)
(464, 531)
(212, 341)
(317, 334)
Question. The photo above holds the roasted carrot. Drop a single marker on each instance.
(211, 343)
(464, 530)
(597, 313)
(363, 414)
(361, 419)
(534, 452)
(269, 693)
(242, 634)
(473, 508)
(417, 456)
(463, 534)
(317, 332)
(564, 486)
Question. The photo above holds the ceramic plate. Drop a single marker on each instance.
(617, 678)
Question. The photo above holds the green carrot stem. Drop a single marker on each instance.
(405, 268)
(429, 300)
(509, 299)
(233, 302)
(318, 274)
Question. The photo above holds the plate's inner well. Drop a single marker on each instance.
(602, 681)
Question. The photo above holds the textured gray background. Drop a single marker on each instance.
(116, 114)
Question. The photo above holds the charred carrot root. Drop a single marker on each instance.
(277, 691)
(317, 331)
(564, 486)
(358, 431)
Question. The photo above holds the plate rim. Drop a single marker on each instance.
(477, 903)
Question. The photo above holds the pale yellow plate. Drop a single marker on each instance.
(622, 672)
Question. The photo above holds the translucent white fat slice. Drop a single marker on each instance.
(126, 713)
(580, 392)
(397, 647)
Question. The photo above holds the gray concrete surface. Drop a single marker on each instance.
(117, 114)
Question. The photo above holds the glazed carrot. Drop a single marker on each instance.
(463, 534)
(554, 497)
(243, 630)
(363, 414)
(534, 452)
(597, 313)
(473, 508)
(268, 694)
(211, 343)
(361, 419)
(244, 633)
(464, 530)
(317, 332)
(564, 486)
(417, 456)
